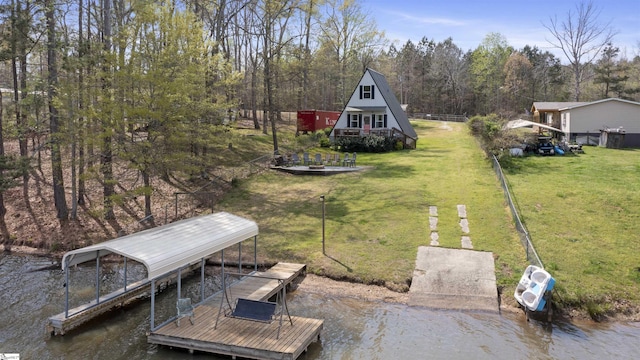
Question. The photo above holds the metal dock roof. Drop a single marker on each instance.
(169, 247)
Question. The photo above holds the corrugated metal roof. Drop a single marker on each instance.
(172, 246)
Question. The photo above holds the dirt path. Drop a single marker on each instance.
(321, 285)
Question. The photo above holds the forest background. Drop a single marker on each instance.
(122, 97)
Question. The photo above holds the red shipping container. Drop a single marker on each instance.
(314, 120)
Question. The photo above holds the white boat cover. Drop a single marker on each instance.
(514, 124)
(172, 246)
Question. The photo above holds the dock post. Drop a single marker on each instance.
(125, 273)
(202, 262)
(66, 291)
(179, 283)
(153, 303)
(255, 253)
(98, 277)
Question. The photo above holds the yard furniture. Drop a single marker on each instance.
(318, 159)
(306, 158)
(185, 308)
(295, 160)
(347, 159)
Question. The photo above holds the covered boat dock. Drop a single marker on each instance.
(169, 251)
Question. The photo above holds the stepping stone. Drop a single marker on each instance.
(464, 224)
(433, 223)
(466, 242)
(462, 211)
(434, 239)
(433, 210)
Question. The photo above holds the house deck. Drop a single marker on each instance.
(239, 337)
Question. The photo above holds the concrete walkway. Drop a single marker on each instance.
(454, 279)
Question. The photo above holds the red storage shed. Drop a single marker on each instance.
(313, 120)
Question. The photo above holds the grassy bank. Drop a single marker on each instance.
(376, 219)
(582, 213)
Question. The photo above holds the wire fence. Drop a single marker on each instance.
(188, 204)
(525, 238)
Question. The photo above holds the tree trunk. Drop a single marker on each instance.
(146, 179)
(81, 94)
(22, 124)
(106, 156)
(306, 63)
(56, 159)
(3, 210)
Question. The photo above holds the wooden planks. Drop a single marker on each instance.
(245, 338)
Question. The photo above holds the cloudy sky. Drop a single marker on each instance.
(521, 22)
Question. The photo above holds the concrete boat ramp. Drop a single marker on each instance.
(454, 279)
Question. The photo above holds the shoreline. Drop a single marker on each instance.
(323, 285)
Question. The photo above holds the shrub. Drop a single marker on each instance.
(368, 143)
(488, 129)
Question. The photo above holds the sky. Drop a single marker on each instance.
(521, 22)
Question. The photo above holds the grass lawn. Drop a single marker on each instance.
(582, 213)
(377, 218)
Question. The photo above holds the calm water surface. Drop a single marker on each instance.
(353, 329)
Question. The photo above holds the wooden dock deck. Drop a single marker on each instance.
(244, 338)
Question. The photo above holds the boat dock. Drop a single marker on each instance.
(59, 324)
(241, 337)
(65, 321)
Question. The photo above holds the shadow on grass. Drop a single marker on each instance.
(391, 171)
(339, 262)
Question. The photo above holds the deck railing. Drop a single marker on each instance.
(407, 140)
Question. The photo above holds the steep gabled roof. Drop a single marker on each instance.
(392, 103)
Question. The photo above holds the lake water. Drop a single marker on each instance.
(353, 329)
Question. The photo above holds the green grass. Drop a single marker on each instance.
(376, 219)
(582, 213)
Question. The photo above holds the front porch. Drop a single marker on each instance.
(408, 142)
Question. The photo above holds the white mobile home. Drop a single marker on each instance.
(591, 118)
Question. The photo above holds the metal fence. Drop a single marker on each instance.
(441, 117)
(525, 238)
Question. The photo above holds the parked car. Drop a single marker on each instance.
(545, 146)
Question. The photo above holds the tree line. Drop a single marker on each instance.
(150, 83)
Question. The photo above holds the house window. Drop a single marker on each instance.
(353, 123)
(379, 121)
(367, 92)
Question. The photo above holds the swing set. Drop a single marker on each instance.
(254, 310)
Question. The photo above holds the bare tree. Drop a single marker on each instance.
(581, 38)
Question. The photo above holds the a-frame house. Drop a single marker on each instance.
(374, 109)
